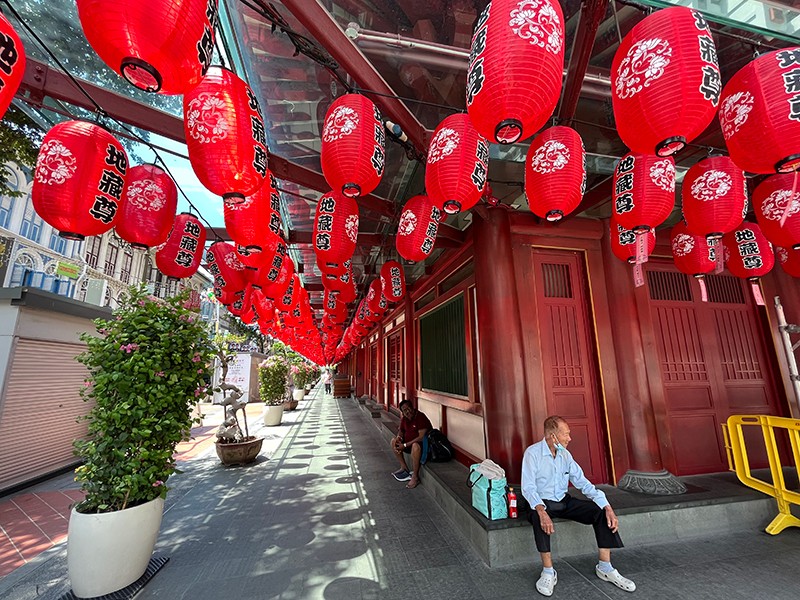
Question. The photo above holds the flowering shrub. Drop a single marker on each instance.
(146, 369)
(272, 380)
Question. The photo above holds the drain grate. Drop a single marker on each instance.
(156, 562)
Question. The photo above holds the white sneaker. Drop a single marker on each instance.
(546, 583)
(618, 580)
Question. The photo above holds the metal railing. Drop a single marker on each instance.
(738, 461)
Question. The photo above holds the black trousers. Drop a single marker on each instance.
(574, 509)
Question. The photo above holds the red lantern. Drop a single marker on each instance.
(748, 254)
(252, 222)
(623, 242)
(693, 254)
(180, 256)
(80, 179)
(335, 229)
(148, 212)
(12, 64)
(353, 152)
(417, 229)
(760, 115)
(665, 82)
(225, 135)
(515, 68)
(770, 201)
(714, 197)
(226, 268)
(644, 191)
(275, 286)
(555, 173)
(288, 300)
(158, 46)
(458, 164)
(790, 260)
(393, 281)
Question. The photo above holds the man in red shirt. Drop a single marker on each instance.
(411, 439)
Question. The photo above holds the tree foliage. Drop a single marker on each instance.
(20, 139)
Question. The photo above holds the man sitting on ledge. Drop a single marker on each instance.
(410, 439)
(547, 470)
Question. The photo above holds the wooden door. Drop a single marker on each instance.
(373, 372)
(569, 359)
(713, 364)
(394, 367)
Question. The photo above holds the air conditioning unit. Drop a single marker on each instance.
(96, 291)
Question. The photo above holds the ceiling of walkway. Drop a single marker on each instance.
(410, 58)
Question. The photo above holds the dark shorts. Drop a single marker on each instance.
(424, 458)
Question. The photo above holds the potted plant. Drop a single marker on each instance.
(147, 367)
(299, 375)
(233, 445)
(272, 388)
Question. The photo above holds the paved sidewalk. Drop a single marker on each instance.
(323, 518)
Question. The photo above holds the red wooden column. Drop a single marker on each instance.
(647, 473)
(361, 371)
(381, 376)
(506, 409)
(410, 351)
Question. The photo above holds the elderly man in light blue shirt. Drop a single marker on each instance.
(547, 470)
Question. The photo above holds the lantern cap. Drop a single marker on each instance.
(139, 246)
(554, 215)
(452, 207)
(670, 146)
(790, 164)
(141, 74)
(351, 190)
(69, 235)
(234, 197)
(508, 131)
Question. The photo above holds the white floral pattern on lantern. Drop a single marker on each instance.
(233, 262)
(351, 228)
(682, 244)
(55, 163)
(734, 111)
(538, 22)
(644, 64)
(146, 194)
(662, 174)
(552, 156)
(774, 205)
(445, 142)
(342, 122)
(782, 254)
(711, 185)
(205, 120)
(408, 223)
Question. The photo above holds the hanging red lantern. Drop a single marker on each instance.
(693, 254)
(770, 203)
(665, 82)
(251, 222)
(275, 287)
(515, 68)
(393, 281)
(335, 229)
(226, 268)
(80, 179)
(148, 211)
(624, 242)
(644, 191)
(225, 135)
(457, 166)
(714, 197)
(158, 46)
(417, 228)
(343, 284)
(760, 114)
(352, 153)
(334, 308)
(288, 299)
(790, 260)
(748, 254)
(180, 256)
(12, 64)
(555, 173)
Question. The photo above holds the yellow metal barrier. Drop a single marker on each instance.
(737, 461)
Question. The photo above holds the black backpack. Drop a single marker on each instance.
(439, 447)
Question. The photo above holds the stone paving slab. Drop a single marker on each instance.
(323, 518)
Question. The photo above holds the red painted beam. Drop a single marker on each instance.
(592, 14)
(319, 22)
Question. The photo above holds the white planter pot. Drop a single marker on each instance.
(298, 394)
(273, 415)
(109, 551)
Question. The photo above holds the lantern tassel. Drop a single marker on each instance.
(757, 292)
(638, 275)
(790, 201)
(703, 291)
(719, 257)
(641, 248)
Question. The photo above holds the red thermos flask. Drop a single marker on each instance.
(512, 504)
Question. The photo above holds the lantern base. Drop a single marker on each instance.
(452, 207)
(641, 229)
(253, 249)
(141, 74)
(671, 146)
(713, 236)
(351, 190)
(233, 197)
(790, 164)
(508, 131)
(69, 235)
(137, 246)
(554, 215)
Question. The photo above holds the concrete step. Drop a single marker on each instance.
(714, 505)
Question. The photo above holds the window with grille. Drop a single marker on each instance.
(443, 349)
(6, 208)
(111, 258)
(127, 261)
(57, 243)
(556, 280)
(670, 286)
(725, 289)
(93, 251)
(31, 225)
